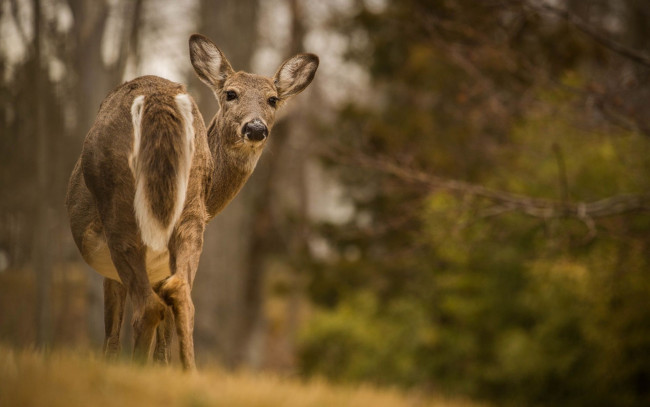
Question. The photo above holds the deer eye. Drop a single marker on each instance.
(273, 101)
(231, 95)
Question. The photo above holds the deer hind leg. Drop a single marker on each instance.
(163, 352)
(148, 308)
(184, 252)
(114, 299)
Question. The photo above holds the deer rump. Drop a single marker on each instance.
(163, 146)
(160, 162)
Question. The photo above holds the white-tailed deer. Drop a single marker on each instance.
(149, 179)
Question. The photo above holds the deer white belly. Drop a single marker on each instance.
(99, 258)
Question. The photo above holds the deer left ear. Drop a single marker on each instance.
(295, 74)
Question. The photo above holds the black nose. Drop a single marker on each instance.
(255, 130)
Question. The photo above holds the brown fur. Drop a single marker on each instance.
(101, 191)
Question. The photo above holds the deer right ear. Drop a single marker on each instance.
(209, 63)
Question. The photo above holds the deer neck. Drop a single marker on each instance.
(233, 165)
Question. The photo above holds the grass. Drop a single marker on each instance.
(63, 378)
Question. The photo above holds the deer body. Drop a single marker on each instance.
(149, 179)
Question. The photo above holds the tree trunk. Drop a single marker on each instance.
(225, 262)
(42, 253)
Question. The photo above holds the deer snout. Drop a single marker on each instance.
(255, 130)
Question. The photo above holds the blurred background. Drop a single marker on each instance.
(459, 203)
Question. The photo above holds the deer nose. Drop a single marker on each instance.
(255, 130)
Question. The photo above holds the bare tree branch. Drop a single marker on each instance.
(605, 102)
(504, 201)
(587, 29)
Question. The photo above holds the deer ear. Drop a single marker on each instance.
(209, 63)
(295, 74)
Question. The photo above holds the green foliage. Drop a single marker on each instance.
(509, 308)
(361, 342)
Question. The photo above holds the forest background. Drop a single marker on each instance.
(458, 204)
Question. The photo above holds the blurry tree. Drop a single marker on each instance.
(49, 99)
(42, 254)
(499, 173)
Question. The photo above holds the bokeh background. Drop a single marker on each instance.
(458, 204)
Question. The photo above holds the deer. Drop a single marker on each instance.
(151, 176)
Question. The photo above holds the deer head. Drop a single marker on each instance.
(248, 102)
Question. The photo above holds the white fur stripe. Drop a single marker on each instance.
(136, 115)
(184, 104)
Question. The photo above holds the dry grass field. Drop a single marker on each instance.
(64, 378)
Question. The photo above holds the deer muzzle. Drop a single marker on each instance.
(255, 130)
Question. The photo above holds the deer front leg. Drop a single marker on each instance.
(184, 251)
(114, 299)
(177, 292)
(163, 352)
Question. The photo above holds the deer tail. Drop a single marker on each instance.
(163, 147)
